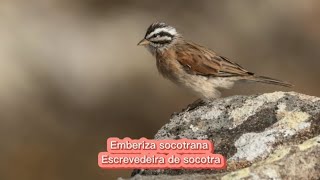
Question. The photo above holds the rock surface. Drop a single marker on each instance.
(268, 136)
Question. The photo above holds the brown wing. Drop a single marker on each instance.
(199, 60)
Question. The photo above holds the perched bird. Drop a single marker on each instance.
(193, 66)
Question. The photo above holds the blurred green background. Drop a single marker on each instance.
(71, 74)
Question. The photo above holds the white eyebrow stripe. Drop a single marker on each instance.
(169, 30)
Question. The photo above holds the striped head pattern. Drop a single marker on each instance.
(159, 36)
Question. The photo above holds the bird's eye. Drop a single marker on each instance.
(158, 36)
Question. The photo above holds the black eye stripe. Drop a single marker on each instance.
(162, 42)
(160, 38)
(163, 33)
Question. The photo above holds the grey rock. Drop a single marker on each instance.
(266, 136)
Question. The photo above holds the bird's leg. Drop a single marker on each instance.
(194, 105)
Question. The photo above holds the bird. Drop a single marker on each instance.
(193, 66)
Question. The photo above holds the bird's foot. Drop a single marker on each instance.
(194, 105)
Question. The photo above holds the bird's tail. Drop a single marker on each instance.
(268, 80)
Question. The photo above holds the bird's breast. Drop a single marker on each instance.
(169, 67)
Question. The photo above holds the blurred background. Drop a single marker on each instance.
(71, 74)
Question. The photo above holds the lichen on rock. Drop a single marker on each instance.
(266, 136)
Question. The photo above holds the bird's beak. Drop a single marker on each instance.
(143, 42)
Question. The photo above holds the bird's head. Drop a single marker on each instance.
(159, 36)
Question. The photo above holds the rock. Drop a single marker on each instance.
(274, 135)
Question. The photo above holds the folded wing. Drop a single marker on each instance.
(201, 61)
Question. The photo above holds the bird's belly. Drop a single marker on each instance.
(206, 87)
(200, 85)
